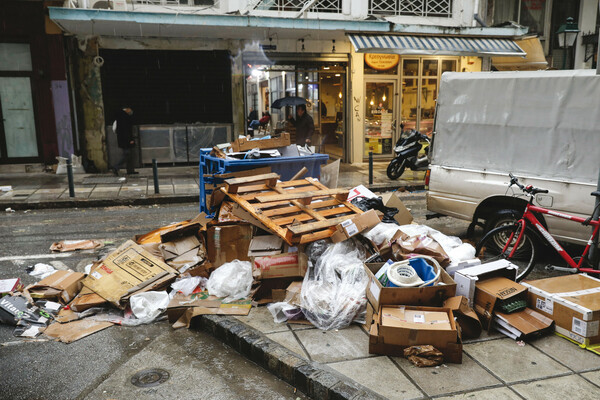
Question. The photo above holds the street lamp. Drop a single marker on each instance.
(567, 36)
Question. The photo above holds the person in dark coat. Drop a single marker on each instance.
(305, 126)
(123, 127)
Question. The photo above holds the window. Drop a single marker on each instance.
(530, 13)
(423, 8)
(328, 6)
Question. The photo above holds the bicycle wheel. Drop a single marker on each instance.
(490, 248)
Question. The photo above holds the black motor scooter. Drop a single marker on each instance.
(407, 151)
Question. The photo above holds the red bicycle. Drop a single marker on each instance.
(519, 242)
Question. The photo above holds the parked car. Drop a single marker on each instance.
(542, 126)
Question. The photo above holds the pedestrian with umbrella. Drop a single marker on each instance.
(305, 126)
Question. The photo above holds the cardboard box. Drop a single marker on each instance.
(61, 285)
(424, 296)
(453, 267)
(235, 242)
(467, 278)
(10, 285)
(271, 290)
(183, 253)
(403, 217)
(128, 270)
(287, 265)
(467, 319)
(265, 245)
(243, 144)
(182, 309)
(398, 327)
(86, 299)
(572, 301)
(523, 324)
(355, 225)
(491, 293)
(292, 293)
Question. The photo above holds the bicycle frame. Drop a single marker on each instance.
(529, 217)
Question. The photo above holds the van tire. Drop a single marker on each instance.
(502, 217)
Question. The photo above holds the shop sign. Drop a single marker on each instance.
(381, 62)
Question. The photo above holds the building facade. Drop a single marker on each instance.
(193, 69)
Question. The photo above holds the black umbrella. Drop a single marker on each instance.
(288, 101)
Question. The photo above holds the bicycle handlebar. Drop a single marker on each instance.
(527, 189)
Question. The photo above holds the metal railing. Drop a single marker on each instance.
(193, 3)
(323, 6)
(422, 8)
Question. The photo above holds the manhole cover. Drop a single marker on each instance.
(150, 377)
(96, 180)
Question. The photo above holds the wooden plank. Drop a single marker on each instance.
(311, 237)
(239, 174)
(274, 192)
(307, 217)
(346, 202)
(315, 205)
(232, 185)
(301, 195)
(313, 226)
(262, 187)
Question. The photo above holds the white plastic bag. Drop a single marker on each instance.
(283, 311)
(232, 280)
(41, 270)
(381, 233)
(147, 306)
(333, 290)
(188, 284)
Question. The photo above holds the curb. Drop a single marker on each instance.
(85, 203)
(307, 376)
(155, 199)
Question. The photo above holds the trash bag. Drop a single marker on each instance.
(375, 203)
(232, 280)
(333, 290)
(316, 249)
(188, 284)
(147, 306)
(284, 311)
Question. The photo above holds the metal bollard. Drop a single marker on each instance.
(370, 168)
(70, 178)
(155, 173)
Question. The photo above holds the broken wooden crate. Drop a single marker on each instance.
(299, 211)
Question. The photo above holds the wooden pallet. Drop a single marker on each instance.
(298, 211)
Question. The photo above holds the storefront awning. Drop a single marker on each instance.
(534, 61)
(435, 45)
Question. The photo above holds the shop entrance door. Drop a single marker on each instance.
(420, 84)
(380, 117)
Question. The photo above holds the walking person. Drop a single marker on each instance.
(123, 127)
(305, 126)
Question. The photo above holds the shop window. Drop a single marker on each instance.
(530, 13)
(15, 57)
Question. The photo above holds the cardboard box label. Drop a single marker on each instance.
(546, 305)
(585, 329)
(350, 227)
(374, 289)
(419, 318)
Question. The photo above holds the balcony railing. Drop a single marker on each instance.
(422, 8)
(195, 3)
(323, 6)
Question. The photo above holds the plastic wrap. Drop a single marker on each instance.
(284, 311)
(333, 290)
(316, 249)
(376, 203)
(232, 280)
(147, 306)
(381, 233)
(187, 284)
(456, 250)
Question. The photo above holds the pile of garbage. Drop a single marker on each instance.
(396, 277)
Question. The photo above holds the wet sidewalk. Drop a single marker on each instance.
(176, 184)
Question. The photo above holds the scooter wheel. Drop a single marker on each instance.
(396, 168)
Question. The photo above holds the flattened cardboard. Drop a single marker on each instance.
(287, 265)
(61, 285)
(573, 302)
(73, 245)
(353, 226)
(235, 241)
(379, 295)
(271, 290)
(244, 215)
(171, 250)
(10, 285)
(72, 331)
(403, 217)
(155, 235)
(393, 340)
(524, 324)
(126, 271)
(182, 309)
(490, 291)
(293, 292)
(265, 245)
(467, 278)
(86, 299)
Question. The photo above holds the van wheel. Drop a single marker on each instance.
(501, 218)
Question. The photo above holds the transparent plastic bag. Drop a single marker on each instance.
(188, 284)
(232, 280)
(381, 233)
(333, 290)
(283, 311)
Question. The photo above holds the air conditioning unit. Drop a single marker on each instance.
(119, 5)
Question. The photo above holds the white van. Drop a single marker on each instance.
(542, 126)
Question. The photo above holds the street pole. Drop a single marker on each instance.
(370, 168)
(155, 175)
(593, 255)
(70, 178)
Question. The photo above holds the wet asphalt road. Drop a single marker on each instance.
(101, 365)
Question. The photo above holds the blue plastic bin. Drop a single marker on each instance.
(286, 167)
